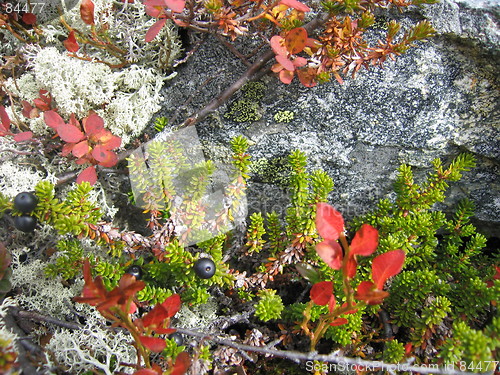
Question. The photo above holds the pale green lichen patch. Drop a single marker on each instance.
(247, 109)
(284, 116)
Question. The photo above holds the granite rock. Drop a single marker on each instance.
(439, 99)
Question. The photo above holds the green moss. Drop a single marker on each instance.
(394, 351)
(270, 305)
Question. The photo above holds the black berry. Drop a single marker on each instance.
(135, 271)
(204, 268)
(25, 223)
(179, 340)
(25, 202)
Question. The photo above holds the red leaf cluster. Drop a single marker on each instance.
(496, 276)
(286, 47)
(42, 103)
(163, 10)
(95, 294)
(384, 266)
(181, 365)
(330, 226)
(70, 43)
(322, 294)
(5, 127)
(89, 142)
(117, 304)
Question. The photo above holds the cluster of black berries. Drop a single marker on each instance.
(25, 203)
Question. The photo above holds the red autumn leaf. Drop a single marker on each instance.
(67, 148)
(73, 121)
(329, 222)
(408, 348)
(172, 304)
(93, 289)
(299, 62)
(28, 110)
(286, 76)
(295, 40)
(105, 157)
(352, 264)
(278, 46)
(154, 8)
(296, 5)
(87, 12)
(368, 292)
(122, 295)
(307, 76)
(365, 241)
(181, 365)
(321, 293)
(71, 44)
(53, 119)
(112, 142)
(331, 253)
(4, 121)
(387, 265)
(312, 43)
(88, 174)
(177, 6)
(155, 317)
(83, 159)
(285, 62)
(29, 18)
(80, 149)
(155, 344)
(496, 276)
(24, 136)
(92, 123)
(155, 29)
(69, 133)
(339, 322)
(350, 311)
(155, 370)
(41, 104)
(276, 68)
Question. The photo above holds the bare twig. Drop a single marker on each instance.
(334, 357)
(21, 314)
(233, 50)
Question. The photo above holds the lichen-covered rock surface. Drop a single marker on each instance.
(438, 100)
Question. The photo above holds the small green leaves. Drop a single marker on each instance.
(270, 305)
(255, 232)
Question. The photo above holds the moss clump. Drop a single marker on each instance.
(270, 305)
(284, 116)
